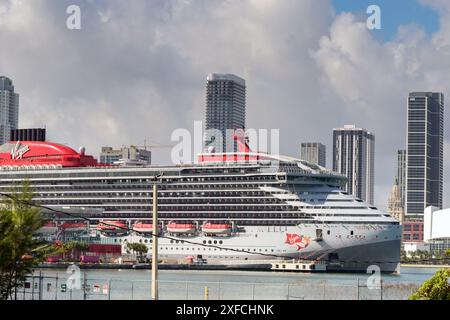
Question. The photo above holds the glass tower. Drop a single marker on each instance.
(424, 183)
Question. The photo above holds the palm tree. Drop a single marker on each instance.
(20, 252)
(138, 248)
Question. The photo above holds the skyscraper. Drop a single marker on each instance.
(9, 109)
(353, 156)
(425, 143)
(225, 109)
(400, 176)
(314, 152)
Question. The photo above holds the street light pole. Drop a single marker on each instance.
(155, 244)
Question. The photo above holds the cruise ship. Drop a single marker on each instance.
(226, 207)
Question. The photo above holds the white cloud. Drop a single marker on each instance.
(137, 70)
(372, 80)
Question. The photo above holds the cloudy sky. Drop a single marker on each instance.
(137, 69)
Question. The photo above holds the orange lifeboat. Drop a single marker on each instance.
(181, 228)
(113, 228)
(211, 228)
(142, 227)
(74, 226)
(49, 227)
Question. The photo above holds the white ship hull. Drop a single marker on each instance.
(367, 246)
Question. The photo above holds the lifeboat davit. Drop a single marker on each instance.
(113, 228)
(181, 228)
(216, 228)
(74, 226)
(142, 227)
(49, 227)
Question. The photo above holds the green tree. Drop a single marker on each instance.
(436, 288)
(138, 248)
(446, 257)
(19, 251)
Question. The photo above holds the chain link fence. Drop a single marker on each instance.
(44, 287)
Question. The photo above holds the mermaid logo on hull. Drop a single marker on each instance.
(300, 241)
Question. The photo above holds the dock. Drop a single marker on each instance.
(244, 265)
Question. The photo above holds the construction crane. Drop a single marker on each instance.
(154, 146)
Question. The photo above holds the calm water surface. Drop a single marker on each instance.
(234, 285)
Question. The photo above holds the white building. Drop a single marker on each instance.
(128, 156)
(411, 247)
(437, 229)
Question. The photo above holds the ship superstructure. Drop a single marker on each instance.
(261, 206)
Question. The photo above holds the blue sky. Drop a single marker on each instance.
(393, 14)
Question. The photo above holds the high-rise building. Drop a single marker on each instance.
(314, 152)
(131, 155)
(225, 110)
(425, 148)
(395, 204)
(35, 134)
(400, 176)
(9, 109)
(353, 156)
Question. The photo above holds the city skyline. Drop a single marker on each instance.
(294, 84)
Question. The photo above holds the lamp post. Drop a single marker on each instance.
(155, 244)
